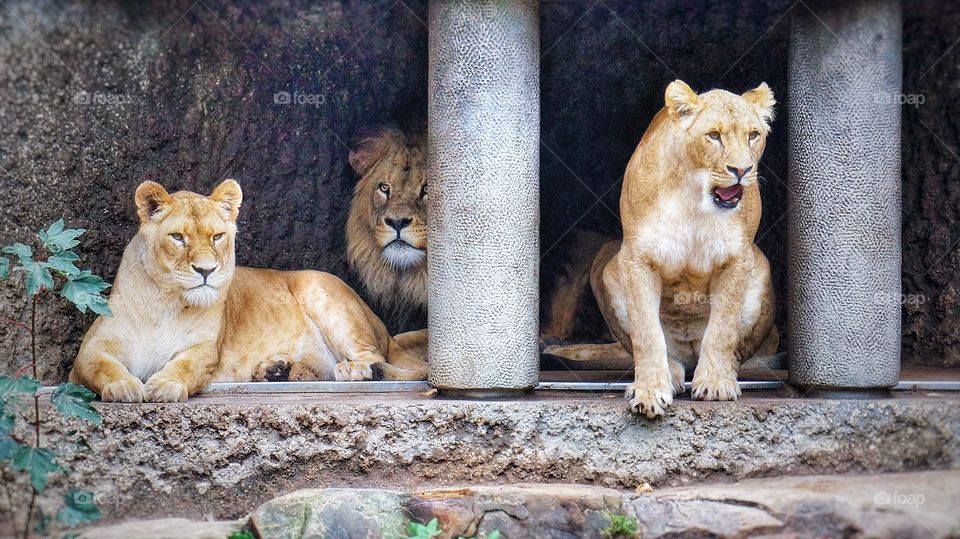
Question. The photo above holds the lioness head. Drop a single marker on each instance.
(386, 229)
(724, 135)
(189, 239)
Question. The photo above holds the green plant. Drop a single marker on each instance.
(432, 529)
(242, 534)
(420, 531)
(41, 278)
(621, 527)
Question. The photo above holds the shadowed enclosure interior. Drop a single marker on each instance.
(189, 101)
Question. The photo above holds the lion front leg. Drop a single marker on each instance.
(715, 377)
(189, 372)
(632, 283)
(98, 368)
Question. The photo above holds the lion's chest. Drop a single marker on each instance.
(681, 239)
(159, 341)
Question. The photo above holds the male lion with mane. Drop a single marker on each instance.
(184, 315)
(387, 226)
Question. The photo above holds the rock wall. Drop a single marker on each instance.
(222, 455)
(98, 96)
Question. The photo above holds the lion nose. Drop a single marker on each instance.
(204, 272)
(397, 224)
(740, 172)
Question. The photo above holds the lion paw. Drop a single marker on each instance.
(677, 375)
(651, 400)
(352, 371)
(272, 371)
(711, 385)
(128, 389)
(161, 389)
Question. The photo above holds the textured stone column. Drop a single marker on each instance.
(844, 222)
(483, 208)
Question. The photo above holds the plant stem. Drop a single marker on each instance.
(36, 406)
(20, 325)
(6, 488)
(26, 525)
(33, 352)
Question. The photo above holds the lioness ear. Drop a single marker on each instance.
(680, 99)
(228, 196)
(152, 201)
(762, 98)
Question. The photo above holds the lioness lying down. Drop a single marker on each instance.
(184, 315)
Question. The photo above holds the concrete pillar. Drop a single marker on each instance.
(844, 223)
(483, 208)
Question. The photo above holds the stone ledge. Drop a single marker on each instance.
(222, 456)
(890, 505)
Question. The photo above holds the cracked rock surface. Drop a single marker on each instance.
(222, 456)
(919, 504)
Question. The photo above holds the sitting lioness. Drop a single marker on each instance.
(184, 315)
(688, 286)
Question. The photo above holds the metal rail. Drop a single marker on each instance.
(242, 388)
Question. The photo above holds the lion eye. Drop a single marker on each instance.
(384, 188)
(754, 135)
(217, 237)
(177, 237)
(423, 191)
(714, 135)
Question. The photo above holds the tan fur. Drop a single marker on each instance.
(687, 286)
(170, 335)
(393, 272)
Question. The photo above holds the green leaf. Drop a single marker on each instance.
(11, 386)
(42, 520)
(4, 267)
(79, 508)
(8, 446)
(63, 263)
(242, 534)
(419, 531)
(83, 290)
(57, 239)
(73, 400)
(21, 251)
(38, 461)
(7, 421)
(38, 276)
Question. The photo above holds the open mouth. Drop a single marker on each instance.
(727, 197)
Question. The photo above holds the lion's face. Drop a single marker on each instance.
(724, 135)
(387, 228)
(189, 239)
(397, 195)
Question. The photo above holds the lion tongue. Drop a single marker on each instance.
(726, 193)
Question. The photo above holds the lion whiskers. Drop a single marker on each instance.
(400, 255)
(201, 296)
